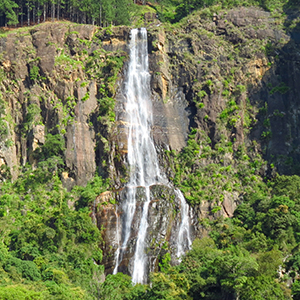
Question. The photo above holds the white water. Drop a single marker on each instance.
(184, 241)
(117, 254)
(142, 158)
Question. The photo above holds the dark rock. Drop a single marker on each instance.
(163, 215)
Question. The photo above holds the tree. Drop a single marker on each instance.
(122, 12)
(7, 10)
(108, 11)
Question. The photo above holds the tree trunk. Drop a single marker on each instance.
(58, 10)
(38, 12)
(71, 14)
(44, 13)
(53, 11)
(22, 16)
(28, 14)
(33, 15)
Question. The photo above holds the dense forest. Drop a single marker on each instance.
(105, 12)
(49, 243)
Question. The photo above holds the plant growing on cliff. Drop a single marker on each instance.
(3, 124)
(282, 88)
(34, 73)
(3, 129)
(32, 117)
(266, 135)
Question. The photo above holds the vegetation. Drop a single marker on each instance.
(33, 12)
(251, 256)
(115, 12)
(49, 246)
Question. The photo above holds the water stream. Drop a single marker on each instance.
(142, 159)
(184, 241)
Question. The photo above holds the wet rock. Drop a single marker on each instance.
(163, 218)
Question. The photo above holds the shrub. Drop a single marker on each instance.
(34, 73)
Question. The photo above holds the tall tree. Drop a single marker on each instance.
(122, 12)
(109, 11)
(7, 10)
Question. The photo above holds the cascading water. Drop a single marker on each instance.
(118, 240)
(184, 240)
(142, 159)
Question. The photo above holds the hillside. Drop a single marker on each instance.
(224, 85)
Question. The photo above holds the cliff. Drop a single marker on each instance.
(225, 96)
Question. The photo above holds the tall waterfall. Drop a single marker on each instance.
(142, 159)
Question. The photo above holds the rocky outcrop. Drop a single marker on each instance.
(228, 79)
(46, 88)
(164, 218)
(61, 85)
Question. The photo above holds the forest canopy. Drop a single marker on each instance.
(116, 12)
(49, 245)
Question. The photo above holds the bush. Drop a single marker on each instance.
(27, 269)
(34, 73)
(19, 292)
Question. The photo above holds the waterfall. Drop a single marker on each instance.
(117, 254)
(184, 239)
(142, 158)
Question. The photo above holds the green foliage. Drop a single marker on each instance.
(122, 12)
(32, 117)
(296, 290)
(26, 269)
(49, 241)
(7, 9)
(266, 135)
(230, 114)
(275, 217)
(54, 146)
(164, 287)
(19, 292)
(201, 94)
(108, 70)
(119, 287)
(174, 10)
(67, 63)
(282, 88)
(85, 97)
(89, 193)
(164, 265)
(4, 131)
(34, 73)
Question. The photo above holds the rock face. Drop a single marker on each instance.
(230, 81)
(164, 218)
(67, 98)
(52, 93)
